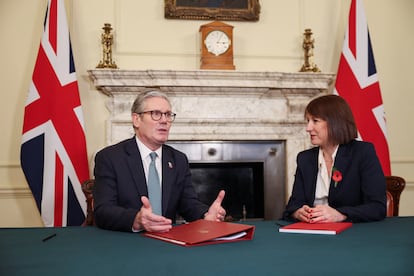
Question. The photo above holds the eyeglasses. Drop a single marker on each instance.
(156, 115)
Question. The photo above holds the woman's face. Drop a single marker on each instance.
(318, 131)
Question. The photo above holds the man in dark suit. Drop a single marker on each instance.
(121, 200)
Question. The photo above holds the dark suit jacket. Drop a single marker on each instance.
(120, 182)
(361, 195)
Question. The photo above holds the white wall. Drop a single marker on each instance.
(145, 40)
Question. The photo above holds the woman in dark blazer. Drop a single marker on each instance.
(340, 179)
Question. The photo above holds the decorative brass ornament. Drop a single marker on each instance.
(107, 40)
(308, 45)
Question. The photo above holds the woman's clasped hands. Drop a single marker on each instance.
(318, 214)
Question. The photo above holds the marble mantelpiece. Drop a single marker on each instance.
(219, 105)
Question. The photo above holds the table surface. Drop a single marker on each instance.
(376, 248)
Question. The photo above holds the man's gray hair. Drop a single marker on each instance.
(139, 103)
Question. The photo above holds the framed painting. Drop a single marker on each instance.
(220, 10)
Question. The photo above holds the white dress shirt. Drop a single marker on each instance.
(146, 159)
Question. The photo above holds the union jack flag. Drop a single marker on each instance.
(53, 151)
(357, 83)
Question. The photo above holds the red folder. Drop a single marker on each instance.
(331, 228)
(203, 232)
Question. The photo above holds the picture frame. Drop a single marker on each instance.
(219, 10)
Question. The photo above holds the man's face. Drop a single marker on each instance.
(152, 133)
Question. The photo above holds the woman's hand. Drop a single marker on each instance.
(318, 214)
(303, 213)
(325, 213)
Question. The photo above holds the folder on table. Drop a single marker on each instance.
(203, 232)
(330, 228)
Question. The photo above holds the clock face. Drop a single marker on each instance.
(217, 42)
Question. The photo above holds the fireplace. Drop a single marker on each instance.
(232, 125)
(242, 181)
(251, 172)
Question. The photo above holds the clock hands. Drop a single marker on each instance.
(221, 35)
(225, 41)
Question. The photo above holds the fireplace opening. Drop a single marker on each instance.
(243, 183)
(251, 172)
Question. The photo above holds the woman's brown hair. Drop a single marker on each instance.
(338, 115)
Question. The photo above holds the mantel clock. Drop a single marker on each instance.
(216, 46)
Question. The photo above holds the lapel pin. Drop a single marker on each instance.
(170, 165)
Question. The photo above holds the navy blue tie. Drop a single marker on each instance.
(154, 187)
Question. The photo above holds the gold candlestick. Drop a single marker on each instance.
(107, 41)
(308, 45)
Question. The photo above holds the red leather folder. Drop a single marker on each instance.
(331, 228)
(203, 232)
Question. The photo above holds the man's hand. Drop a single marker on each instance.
(216, 212)
(146, 220)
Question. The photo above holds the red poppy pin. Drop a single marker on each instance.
(336, 176)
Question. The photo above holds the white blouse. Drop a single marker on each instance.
(323, 180)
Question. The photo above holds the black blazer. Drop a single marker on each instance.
(361, 195)
(120, 182)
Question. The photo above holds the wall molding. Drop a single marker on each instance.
(402, 160)
(10, 165)
(15, 193)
